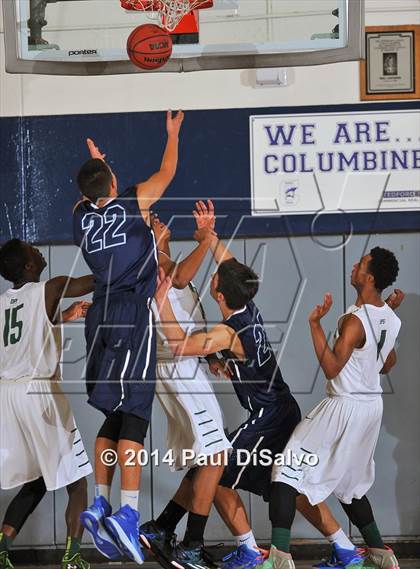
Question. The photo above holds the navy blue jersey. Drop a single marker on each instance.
(258, 381)
(118, 245)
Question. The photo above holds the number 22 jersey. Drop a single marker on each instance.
(117, 244)
(258, 381)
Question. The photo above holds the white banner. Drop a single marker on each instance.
(354, 162)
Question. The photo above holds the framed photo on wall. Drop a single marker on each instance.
(391, 69)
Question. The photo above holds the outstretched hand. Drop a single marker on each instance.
(204, 214)
(173, 124)
(94, 150)
(395, 298)
(164, 283)
(76, 310)
(321, 310)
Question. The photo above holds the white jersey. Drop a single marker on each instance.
(360, 378)
(30, 345)
(188, 312)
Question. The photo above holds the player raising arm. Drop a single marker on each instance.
(113, 231)
(153, 188)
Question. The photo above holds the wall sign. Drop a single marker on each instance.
(353, 162)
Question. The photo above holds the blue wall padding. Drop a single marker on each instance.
(40, 157)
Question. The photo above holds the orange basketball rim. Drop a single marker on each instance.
(171, 12)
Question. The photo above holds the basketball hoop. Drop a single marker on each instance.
(170, 12)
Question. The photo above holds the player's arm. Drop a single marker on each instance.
(183, 272)
(151, 190)
(199, 344)
(65, 287)
(390, 361)
(205, 217)
(75, 311)
(351, 336)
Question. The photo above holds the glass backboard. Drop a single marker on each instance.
(229, 34)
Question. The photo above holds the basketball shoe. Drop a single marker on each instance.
(243, 558)
(346, 559)
(124, 528)
(382, 558)
(75, 562)
(93, 521)
(159, 541)
(186, 558)
(5, 562)
(278, 560)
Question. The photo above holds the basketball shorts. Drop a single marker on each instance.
(121, 355)
(195, 420)
(342, 434)
(256, 443)
(38, 436)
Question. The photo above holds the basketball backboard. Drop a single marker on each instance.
(89, 36)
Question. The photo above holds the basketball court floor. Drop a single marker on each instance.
(404, 564)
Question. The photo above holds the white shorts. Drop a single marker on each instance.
(195, 420)
(343, 433)
(38, 436)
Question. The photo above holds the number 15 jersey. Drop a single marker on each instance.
(30, 345)
(359, 378)
(117, 244)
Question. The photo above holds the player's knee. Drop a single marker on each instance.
(79, 487)
(133, 428)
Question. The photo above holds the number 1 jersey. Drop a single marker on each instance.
(359, 378)
(117, 244)
(30, 345)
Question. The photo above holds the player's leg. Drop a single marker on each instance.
(321, 517)
(93, 518)
(124, 525)
(18, 511)
(203, 489)
(195, 423)
(361, 515)
(77, 503)
(232, 510)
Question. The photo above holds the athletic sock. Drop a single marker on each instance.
(246, 539)
(72, 547)
(5, 542)
(171, 516)
(130, 498)
(372, 536)
(340, 539)
(280, 538)
(103, 490)
(194, 535)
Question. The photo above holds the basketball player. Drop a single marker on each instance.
(40, 445)
(194, 417)
(343, 429)
(113, 231)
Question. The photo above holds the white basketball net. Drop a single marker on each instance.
(170, 12)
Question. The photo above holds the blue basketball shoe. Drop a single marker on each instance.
(124, 526)
(243, 558)
(93, 521)
(345, 559)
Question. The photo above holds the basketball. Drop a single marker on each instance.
(149, 46)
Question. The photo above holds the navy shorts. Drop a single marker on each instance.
(121, 355)
(264, 435)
